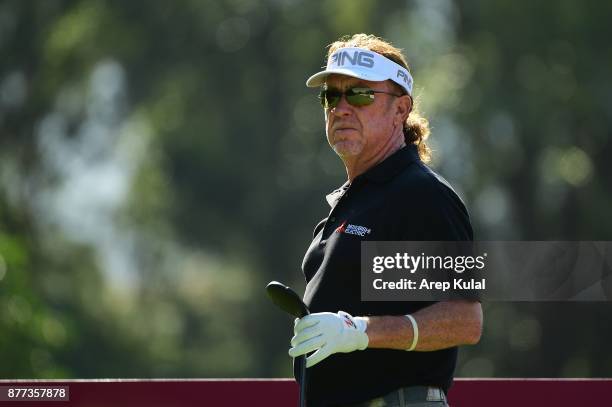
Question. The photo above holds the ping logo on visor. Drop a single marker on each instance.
(363, 64)
(361, 58)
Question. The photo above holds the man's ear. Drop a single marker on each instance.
(404, 107)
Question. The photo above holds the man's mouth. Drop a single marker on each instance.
(343, 129)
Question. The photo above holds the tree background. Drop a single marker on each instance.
(160, 162)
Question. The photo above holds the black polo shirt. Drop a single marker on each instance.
(398, 199)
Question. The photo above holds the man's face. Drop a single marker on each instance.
(360, 130)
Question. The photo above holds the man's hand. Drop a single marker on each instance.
(328, 333)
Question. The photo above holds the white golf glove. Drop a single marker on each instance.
(327, 333)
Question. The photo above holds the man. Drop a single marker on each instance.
(378, 353)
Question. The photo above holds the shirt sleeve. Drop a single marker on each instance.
(433, 212)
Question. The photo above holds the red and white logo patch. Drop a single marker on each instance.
(341, 228)
(349, 322)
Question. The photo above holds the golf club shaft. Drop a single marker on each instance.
(304, 383)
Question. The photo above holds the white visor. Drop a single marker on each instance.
(363, 64)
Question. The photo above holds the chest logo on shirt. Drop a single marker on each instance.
(351, 229)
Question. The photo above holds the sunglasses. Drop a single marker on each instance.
(355, 96)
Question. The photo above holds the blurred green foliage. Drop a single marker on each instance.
(160, 162)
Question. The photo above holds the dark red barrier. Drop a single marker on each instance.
(530, 392)
(282, 392)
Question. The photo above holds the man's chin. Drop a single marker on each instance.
(347, 148)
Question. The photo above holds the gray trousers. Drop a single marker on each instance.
(414, 396)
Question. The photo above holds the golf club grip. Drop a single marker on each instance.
(287, 300)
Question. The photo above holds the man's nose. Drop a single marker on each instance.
(343, 107)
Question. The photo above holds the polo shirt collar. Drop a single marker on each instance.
(381, 172)
(333, 197)
(392, 165)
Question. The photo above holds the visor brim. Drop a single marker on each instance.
(319, 78)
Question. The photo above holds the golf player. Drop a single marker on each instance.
(378, 353)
